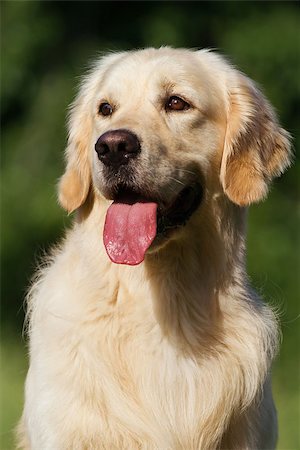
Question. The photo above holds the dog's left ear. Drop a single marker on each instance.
(256, 149)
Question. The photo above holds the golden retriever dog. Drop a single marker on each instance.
(144, 330)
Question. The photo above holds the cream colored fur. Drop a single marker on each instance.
(174, 353)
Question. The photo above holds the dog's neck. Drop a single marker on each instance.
(190, 277)
(187, 277)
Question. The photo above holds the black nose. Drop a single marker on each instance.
(117, 147)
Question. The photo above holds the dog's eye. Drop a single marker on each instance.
(105, 109)
(175, 103)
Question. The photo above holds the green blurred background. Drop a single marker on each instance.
(46, 46)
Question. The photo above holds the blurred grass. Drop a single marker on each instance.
(13, 372)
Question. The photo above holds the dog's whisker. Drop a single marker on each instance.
(177, 181)
(185, 170)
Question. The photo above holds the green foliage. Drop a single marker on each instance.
(45, 48)
(13, 372)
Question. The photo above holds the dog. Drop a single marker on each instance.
(144, 330)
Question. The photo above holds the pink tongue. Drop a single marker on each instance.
(129, 231)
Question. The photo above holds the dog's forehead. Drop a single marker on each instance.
(155, 68)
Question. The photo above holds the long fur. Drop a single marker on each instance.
(174, 353)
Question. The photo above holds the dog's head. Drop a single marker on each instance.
(159, 132)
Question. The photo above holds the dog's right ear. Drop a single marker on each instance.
(74, 185)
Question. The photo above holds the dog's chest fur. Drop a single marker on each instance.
(112, 363)
(125, 373)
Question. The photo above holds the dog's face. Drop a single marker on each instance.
(156, 125)
(166, 129)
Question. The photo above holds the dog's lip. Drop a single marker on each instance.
(169, 215)
(181, 208)
(130, 196)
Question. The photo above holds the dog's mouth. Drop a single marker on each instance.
(133, 222)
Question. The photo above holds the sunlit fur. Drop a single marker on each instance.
(174, 353)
